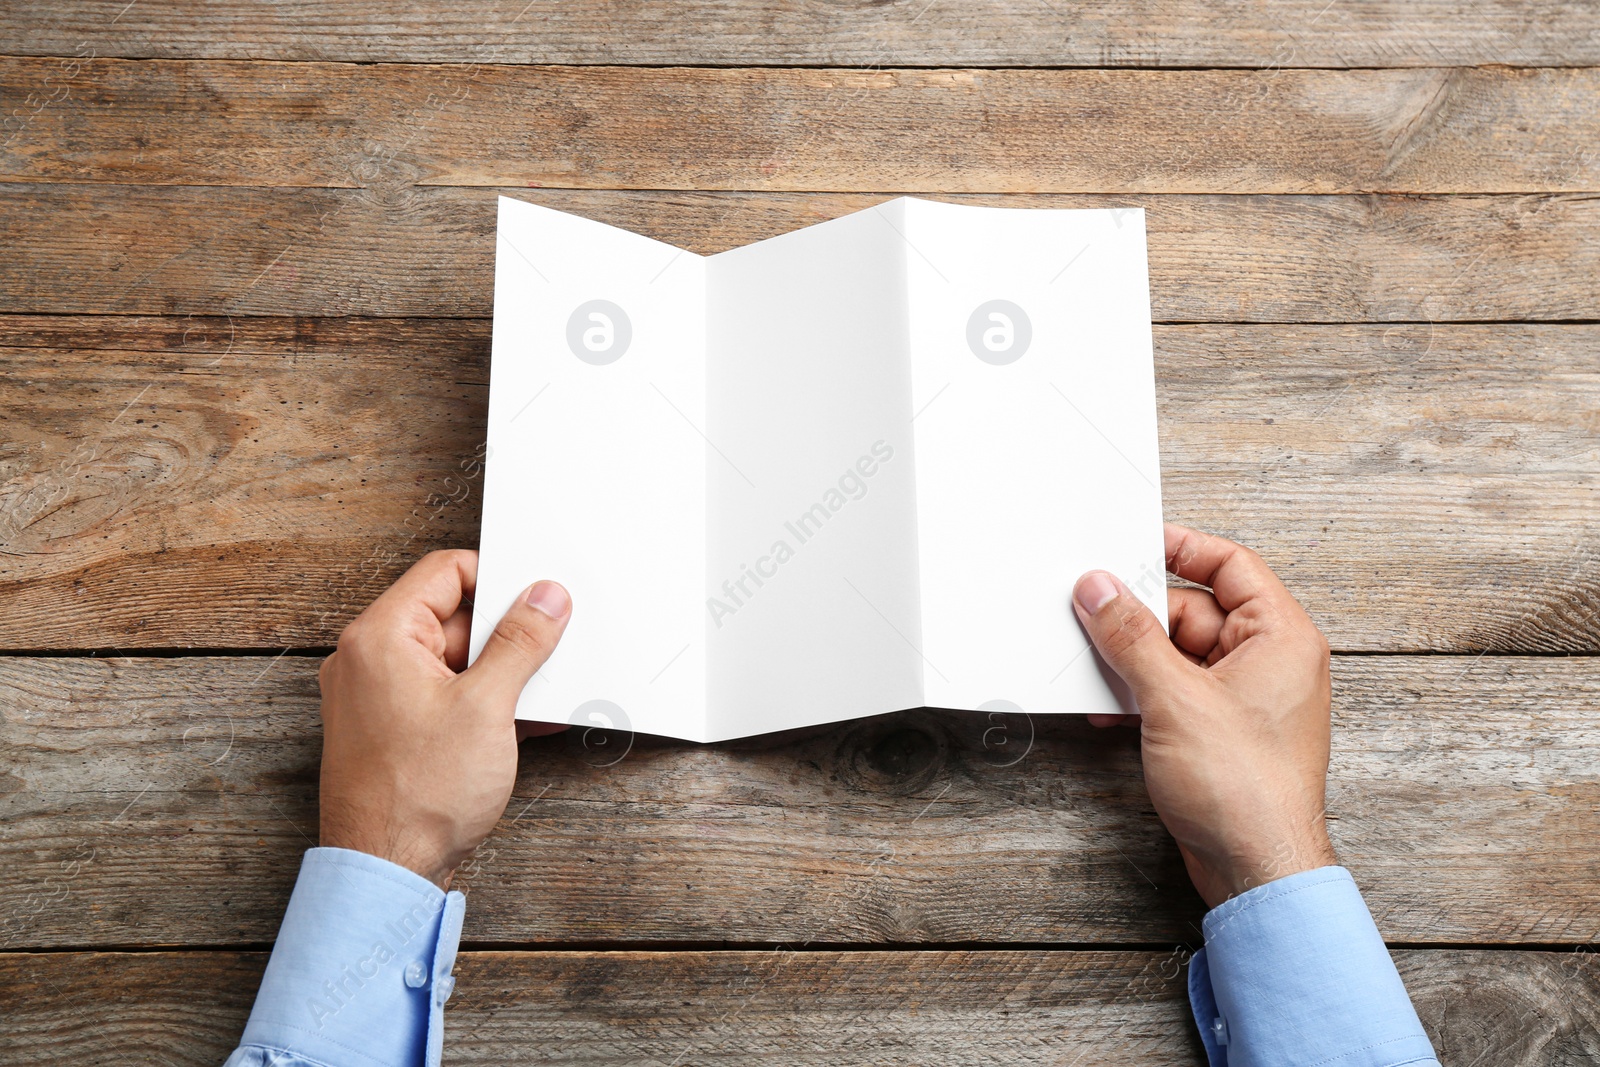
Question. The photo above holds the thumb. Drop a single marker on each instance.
(1127, 635)
(521, 642)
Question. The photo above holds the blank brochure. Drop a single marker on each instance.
(847, 470)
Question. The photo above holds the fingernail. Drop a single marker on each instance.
(1095, 590)
(550, 598)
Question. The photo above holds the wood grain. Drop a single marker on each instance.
(196, 455)
(1511, 1009)
(1143, 33)
(407, 251)
(166, 802)
(215, 482)
(1472, 130)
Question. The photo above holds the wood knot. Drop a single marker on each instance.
(895, 754)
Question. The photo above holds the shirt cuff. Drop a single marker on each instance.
(361, 969)
(1295, 971)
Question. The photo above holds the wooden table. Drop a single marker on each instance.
(244, 310)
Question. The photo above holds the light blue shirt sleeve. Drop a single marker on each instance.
(1295, 972)
(360, 972)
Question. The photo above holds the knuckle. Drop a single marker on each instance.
(331, 676)
(1187, 549)
(1314, 639)
(1130, 627)
(351, 638)
(446, 559)
(522, 635)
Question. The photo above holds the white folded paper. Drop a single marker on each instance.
(848, 470)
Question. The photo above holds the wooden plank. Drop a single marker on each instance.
(1508, 1008)
(190, 481)
(166, 802)
(97, 1007)
(1472, 130)
(320, 427)
(90, 249)
(1144, 33)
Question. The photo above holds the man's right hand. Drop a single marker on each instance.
(1235, 710)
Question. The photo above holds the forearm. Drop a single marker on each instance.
(360, 971)
(1295, 972)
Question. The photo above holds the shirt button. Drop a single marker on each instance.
(442, 990)
(416, 976)
(1219, 1030)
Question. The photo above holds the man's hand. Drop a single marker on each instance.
(1234, 710)
(419, 753)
